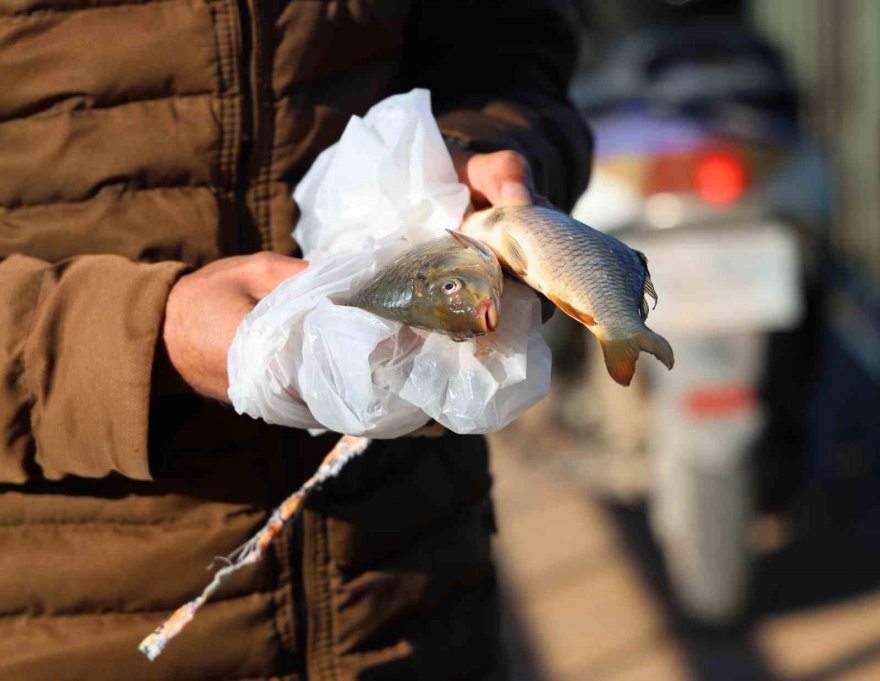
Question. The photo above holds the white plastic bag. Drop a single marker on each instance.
(304, 359)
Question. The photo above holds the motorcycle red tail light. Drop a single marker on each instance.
(720, 401)
(670, 173)
(720, 178)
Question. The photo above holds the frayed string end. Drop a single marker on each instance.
(348, 447)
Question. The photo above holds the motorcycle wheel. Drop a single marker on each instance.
(701, 517)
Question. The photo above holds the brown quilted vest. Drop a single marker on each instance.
(140, 137)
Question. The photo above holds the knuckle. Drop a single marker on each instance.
(513, 160)
(265, 258)
(264, 262)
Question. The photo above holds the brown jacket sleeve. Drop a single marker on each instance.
(498, 71)
(77, 340)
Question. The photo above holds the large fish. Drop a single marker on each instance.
(451, 284)
(590, 276)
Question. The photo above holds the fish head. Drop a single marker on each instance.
(460, 292)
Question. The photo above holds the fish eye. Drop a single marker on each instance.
(451, 286)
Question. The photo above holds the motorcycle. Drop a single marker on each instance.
(700, 164)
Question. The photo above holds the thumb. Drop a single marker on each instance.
(503, 178)
(511, 177)
(514, 193)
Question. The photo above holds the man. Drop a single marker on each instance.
(148, 151)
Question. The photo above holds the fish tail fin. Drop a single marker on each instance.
(658, 346)
(621, 355)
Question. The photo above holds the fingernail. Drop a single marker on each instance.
(515, 194)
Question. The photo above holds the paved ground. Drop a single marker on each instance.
(586, 598)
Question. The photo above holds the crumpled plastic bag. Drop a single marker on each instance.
(303, 358)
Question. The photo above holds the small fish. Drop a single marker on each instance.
(451, 284)
(590, 276)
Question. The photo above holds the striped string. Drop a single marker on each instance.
(348, 447)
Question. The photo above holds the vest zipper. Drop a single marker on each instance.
(242, 172)
(301, 613)
(247, 21)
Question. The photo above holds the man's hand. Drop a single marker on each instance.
(502, 178)
(205, 308)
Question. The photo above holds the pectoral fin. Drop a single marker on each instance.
(514, 256)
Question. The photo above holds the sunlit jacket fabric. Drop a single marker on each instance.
(139, 138)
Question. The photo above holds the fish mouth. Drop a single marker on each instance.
(489, 315)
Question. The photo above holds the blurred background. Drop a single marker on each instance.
(721, 521)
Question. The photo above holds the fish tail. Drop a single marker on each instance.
(621, 355)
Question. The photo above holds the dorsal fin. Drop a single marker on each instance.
(470, 242)
(647, 288)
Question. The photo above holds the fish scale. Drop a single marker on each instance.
(590, 276)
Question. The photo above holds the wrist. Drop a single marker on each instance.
(188, 358)
(166, 379)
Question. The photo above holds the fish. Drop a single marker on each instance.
(591, 276)
(451, 284)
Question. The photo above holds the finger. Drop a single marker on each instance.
(514, 194)
(460, 159)
(498, 178)
(507, 179)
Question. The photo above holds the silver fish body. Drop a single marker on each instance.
(589, 275)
